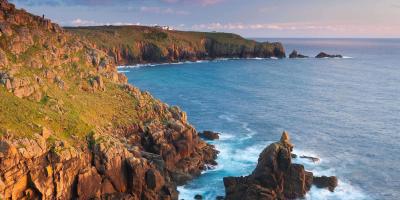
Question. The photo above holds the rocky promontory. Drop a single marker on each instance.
(129, 45)
(72, 128)
(275, 176)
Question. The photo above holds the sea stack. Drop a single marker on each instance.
(275, 176)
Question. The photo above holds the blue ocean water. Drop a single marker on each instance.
(344, 111)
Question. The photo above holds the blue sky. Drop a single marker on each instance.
(250, 18)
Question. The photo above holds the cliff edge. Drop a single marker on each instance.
(72, 128)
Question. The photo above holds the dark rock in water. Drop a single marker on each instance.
(198, 197)
(209, 135)
(325, 55)
(295, 54)
(326, 182)
(294, 155)
(275, 176)
(310, 158)
(219, 198)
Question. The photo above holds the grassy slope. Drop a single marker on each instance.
(70, 113)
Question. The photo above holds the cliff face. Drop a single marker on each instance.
(71, 127)
(137, 44)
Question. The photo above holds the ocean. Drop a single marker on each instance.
(344, 111)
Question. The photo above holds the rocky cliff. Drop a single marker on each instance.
(276, 177)
(129, 45)
(72, 128)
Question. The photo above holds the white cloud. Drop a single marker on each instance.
(202, 2)
(159, 10)
(81, 22)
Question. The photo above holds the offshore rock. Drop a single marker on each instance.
(325, 55)
(275, 176)
(295, 54)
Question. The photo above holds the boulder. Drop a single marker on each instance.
(326, 182)
(325, 55)
(295, 54)
(198, 197)
(209, 135)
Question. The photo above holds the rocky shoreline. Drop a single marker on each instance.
(73, 128)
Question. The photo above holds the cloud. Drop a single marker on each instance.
(81, 22)
(159, 10)
(202, 2)
(273, 26)
(107, 2)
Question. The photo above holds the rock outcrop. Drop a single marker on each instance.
(139, 44)
(209, 135)
(325, 55)
(295, 54)
(275, 176)
(72, 128)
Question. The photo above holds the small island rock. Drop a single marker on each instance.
(325, 55)
(275, 176)
(295, 54)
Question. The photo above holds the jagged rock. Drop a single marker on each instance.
(209, 135)
(295, 54)
(325, 55)
(275, 177)
(325, 182)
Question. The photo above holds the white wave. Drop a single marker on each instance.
(229, 118)
(225, 136)
(188, 193)
(347, 57)
(342, 191)
(123, 71)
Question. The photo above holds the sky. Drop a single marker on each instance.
(249, 18)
